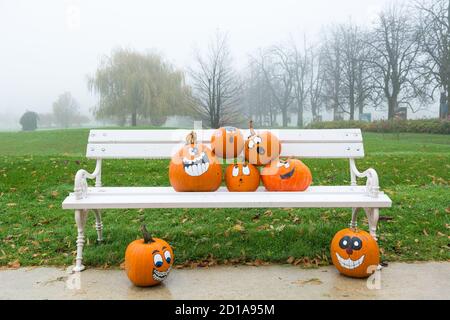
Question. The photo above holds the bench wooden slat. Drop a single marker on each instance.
(176, 136)
(166, 150)
(165, 198)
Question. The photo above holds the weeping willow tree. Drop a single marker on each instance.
(134, 86)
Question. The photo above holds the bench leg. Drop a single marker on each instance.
(354, 222)
(80, 218)
(373, 215)
(99, 225)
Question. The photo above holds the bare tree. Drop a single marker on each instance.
(332, 67)
(434, 30)
(216, 87)
(301, 69)
(316, 84)
(275, 64)
(395, 45)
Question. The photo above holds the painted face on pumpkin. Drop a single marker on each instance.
(227, 142)
(162, 263)
(353, 251)
(195, 161)
(242, 177)
(286, 175)
(351, 246)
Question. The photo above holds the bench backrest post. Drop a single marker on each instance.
(352, 174)
(98, 168)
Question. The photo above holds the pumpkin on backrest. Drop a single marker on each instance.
(227, 142)
(261, 148)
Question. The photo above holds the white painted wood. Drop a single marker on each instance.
(177, 136)
(166, 150)
(167, 198)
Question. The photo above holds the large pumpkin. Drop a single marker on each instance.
(195, 168)
(227, 142)
(261, 148)
(286, 175)
(355, 253)
(242, 177)
(148, 261)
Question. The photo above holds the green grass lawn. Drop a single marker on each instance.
(37, 171)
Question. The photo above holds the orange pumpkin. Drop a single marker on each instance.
(286, 175)
(195, 168)
(261, 148)
(148, 261)
(242, 177)
(355, 253)
(227, 142)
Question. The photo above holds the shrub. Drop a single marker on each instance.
(437, 126)
(28, 121)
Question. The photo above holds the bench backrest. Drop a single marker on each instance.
(160, 144)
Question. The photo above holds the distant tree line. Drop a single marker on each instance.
(65, 114)
(402, 60)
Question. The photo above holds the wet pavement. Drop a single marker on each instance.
(430, 280)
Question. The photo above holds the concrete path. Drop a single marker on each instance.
(398, 281)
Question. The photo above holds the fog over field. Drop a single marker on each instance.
(50, 47)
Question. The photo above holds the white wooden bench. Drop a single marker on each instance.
(157, 144)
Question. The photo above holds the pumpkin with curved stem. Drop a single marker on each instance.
(148, 261)
(242, 177)
(227, 142)
(261, 148)
(355, 253)
(286, 175)
(194, 168)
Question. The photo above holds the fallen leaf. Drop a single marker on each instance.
(14, 264)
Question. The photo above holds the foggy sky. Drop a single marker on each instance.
(48, 47)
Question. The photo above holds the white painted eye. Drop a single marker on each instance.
(246, 170)
(344, 242)
(235, 171)
(356, 243)
(251, 144)
(167, 256)
(280, 164)
(193, 151)
(158, 260)
(257, 139)
(287, 165)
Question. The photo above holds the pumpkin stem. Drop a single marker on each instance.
(147, 237)
(252, 130)
(191, 138)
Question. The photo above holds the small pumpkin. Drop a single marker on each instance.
(261, 148)
(227, 142)
(242, 177)
(194, 168)
(286, 175)
(148, 261)
(355, 253)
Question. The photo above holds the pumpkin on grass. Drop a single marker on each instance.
(355, 253)
(227, 142)
(286, 175)
(148, 260)
(194, 167)
(261, 148)
(242, 177)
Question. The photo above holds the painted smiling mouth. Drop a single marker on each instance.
(349, 263)
(160, 275)
(287, 175)
(196, 167)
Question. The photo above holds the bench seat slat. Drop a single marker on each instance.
(166, 197)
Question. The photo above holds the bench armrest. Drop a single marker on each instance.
(81, 185)
(372, 182)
